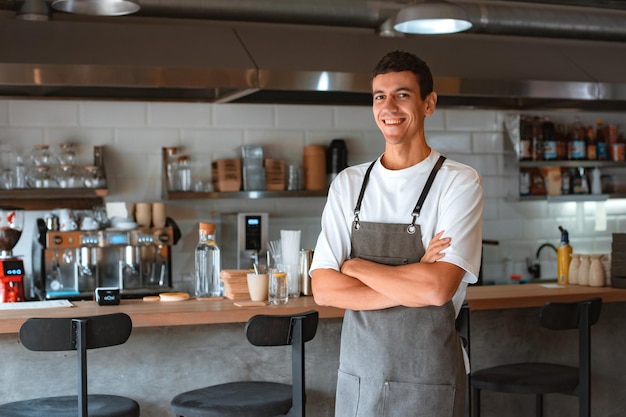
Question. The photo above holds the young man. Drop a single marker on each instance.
(400, 355)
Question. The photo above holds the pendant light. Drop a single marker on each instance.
(97, 7)
(432, 17)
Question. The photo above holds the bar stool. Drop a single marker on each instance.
(80, 334)
(258, 398)
(544, 378)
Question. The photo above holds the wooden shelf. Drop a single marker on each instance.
(572, 164)
(250, 195)
(52, 198)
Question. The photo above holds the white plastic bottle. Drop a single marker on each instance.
(596, 181)
(208, 283)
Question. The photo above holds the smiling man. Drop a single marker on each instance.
(400, 241)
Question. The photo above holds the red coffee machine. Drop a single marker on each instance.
(11, 267)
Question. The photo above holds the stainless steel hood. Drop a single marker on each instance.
(217, 61)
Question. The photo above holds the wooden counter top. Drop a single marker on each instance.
(167, 313)
(493, 297)
(190, 312)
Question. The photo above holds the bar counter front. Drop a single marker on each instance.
(178, 346)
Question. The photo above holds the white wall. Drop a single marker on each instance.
(135, 132)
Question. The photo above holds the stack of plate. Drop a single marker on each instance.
(235, 284)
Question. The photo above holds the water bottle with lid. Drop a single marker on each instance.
(207, 263)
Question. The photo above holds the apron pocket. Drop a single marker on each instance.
(386, 260)
(418, 400)
(347, 400)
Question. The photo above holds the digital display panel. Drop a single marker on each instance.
(253, 221)
(117, 239)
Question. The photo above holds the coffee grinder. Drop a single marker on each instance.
(11, 267)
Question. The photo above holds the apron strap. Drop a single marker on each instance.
(357, 208)
(429, 183)
(420, 201)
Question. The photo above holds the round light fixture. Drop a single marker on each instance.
(97, 7)
(432, 18)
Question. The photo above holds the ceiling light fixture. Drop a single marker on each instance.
(97, 7)
(432, 17)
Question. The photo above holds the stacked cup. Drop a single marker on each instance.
(290, 252)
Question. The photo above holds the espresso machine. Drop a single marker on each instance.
(11, 267)
(72, 264)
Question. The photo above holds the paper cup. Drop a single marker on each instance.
(258, 286)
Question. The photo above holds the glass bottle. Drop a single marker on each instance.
(561, 143)
(537, 139)
(578, 145)
(602, 150)
(183, 171)
(549, 140)
(207, 263)
(171, 163)
(591, 144)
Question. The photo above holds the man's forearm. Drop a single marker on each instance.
(335, 289)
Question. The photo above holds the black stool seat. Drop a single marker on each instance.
(80, 334)
(236, 399)
(527, 378)
(259, 398)
(98, 405)
(540, 378)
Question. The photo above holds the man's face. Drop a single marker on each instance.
(398, 108)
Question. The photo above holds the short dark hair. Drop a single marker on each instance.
(398, 61)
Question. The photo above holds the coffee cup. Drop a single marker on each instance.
(143, 214)
(158, 215)
(258, 286)
(89, 223)
(67, 221)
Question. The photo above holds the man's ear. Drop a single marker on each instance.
(431, 103)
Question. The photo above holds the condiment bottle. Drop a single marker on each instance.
(596, 272)
(583, 270)
(564, 253)
(574, 265)
(207, 263)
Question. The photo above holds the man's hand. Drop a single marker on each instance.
(435, 247)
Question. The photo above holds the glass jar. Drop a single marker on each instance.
(66, 154)
(93, 177)
(40, 177)
(67, 177)
(40, 155)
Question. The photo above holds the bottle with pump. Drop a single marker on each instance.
(564, 253)
(208, 283)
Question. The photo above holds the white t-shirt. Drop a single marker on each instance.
(454, 204)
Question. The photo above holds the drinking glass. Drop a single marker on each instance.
(277, 289)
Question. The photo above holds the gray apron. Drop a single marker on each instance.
(400, 361)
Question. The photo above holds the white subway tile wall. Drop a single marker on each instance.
(135, 132)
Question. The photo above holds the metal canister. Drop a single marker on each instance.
(306, 257)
